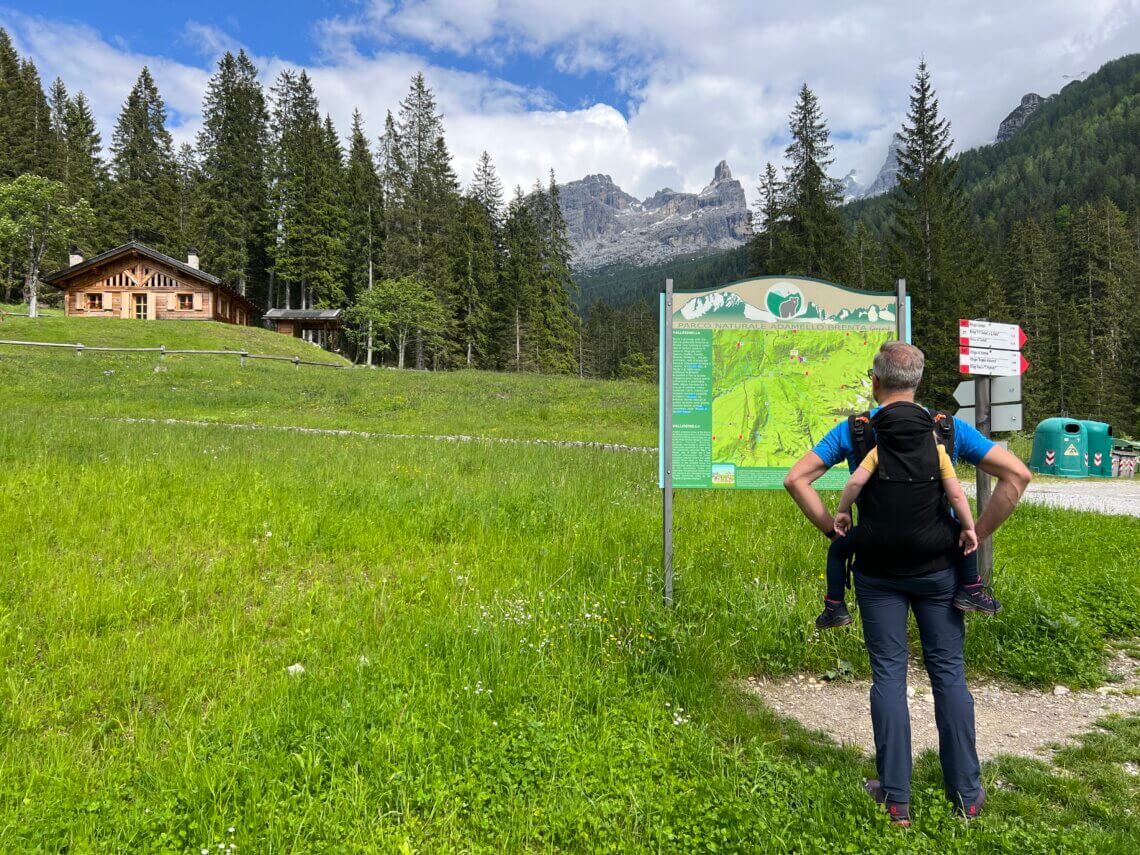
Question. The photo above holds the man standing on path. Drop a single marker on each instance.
(885, 595)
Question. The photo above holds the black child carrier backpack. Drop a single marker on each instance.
(905, 527)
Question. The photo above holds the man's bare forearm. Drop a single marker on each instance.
(1013, 477)
(798, 483)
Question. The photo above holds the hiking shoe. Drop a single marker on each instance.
(976, 598)
(834, 614)
(899, 812)
(973, 810)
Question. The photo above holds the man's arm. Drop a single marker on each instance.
(799, 482)
(1012, 479)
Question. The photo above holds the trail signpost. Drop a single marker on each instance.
(754, 373)
(991, 352)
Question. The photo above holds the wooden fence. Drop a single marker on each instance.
(162, 351)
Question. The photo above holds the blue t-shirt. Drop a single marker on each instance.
(837, 446)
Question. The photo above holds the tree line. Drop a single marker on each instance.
(432, 275)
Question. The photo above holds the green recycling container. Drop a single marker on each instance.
(1098, 449)
(1060, 447)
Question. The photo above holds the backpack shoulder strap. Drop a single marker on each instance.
(862, 437)
(944, 430)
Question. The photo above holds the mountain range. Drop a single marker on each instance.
(607, 226)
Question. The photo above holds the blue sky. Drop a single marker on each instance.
(652, 92)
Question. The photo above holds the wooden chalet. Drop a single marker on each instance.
(320, 326)
(135, 281)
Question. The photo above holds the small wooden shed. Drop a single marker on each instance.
(135, 281)
(320, 326)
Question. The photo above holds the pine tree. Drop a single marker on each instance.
(364, 211)
(560, 322)
(423, 202)
(475, 276)
(143, 196)
(488, 190)
(813, 243)
(11, 118)
(932, 246)
(305, 163)
(865, 267)
(231, 213)
(189, 177)
(87, 174)
(519, 303)
(58, 103)
(762, 248)
(34, 145)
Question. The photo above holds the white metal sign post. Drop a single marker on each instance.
(992, 353)
(667, 440)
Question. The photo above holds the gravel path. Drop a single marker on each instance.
(1009, 720)
(1119, 496)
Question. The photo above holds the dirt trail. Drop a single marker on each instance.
(1009, 720)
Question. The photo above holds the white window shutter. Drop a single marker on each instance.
(124, 304)
(108, 300)
(151, 306)
(197, 301)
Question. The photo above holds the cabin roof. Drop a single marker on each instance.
(302, 315)
(59, 278)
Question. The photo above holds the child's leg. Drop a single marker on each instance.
(837, 555)
(968, 570)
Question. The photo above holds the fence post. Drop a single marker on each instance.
(296, 362)
(78, 349)
(162, 351)
(244, 354)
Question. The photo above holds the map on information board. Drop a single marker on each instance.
(762, 369)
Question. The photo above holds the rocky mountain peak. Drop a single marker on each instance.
(1016, 120)
(608, 226)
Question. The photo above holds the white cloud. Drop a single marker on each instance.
(705, 80)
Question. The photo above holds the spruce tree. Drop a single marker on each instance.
(87, 173)
(519, 303)
(308, 254)
(475, 276)
(423, 205)
(561, 323)
(58, 104)
(762, 248)
(143, 196)
(11, 124)
(814, 244)
(33, 144)
(231, 213)
(488, 190)
(364, 211)
(932, 247)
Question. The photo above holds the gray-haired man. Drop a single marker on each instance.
(885, 597)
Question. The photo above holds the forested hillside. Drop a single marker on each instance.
(1080, 145)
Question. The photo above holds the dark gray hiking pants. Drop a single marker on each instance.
(883, 605)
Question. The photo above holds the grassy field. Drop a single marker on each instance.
(485, 663)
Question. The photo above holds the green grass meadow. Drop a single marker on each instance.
(487, 665)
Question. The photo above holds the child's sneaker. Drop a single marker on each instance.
(834, 614)
(975, 598)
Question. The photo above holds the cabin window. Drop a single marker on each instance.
(185, 302)
(225, 308)
(94, 302)
(140, 307)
